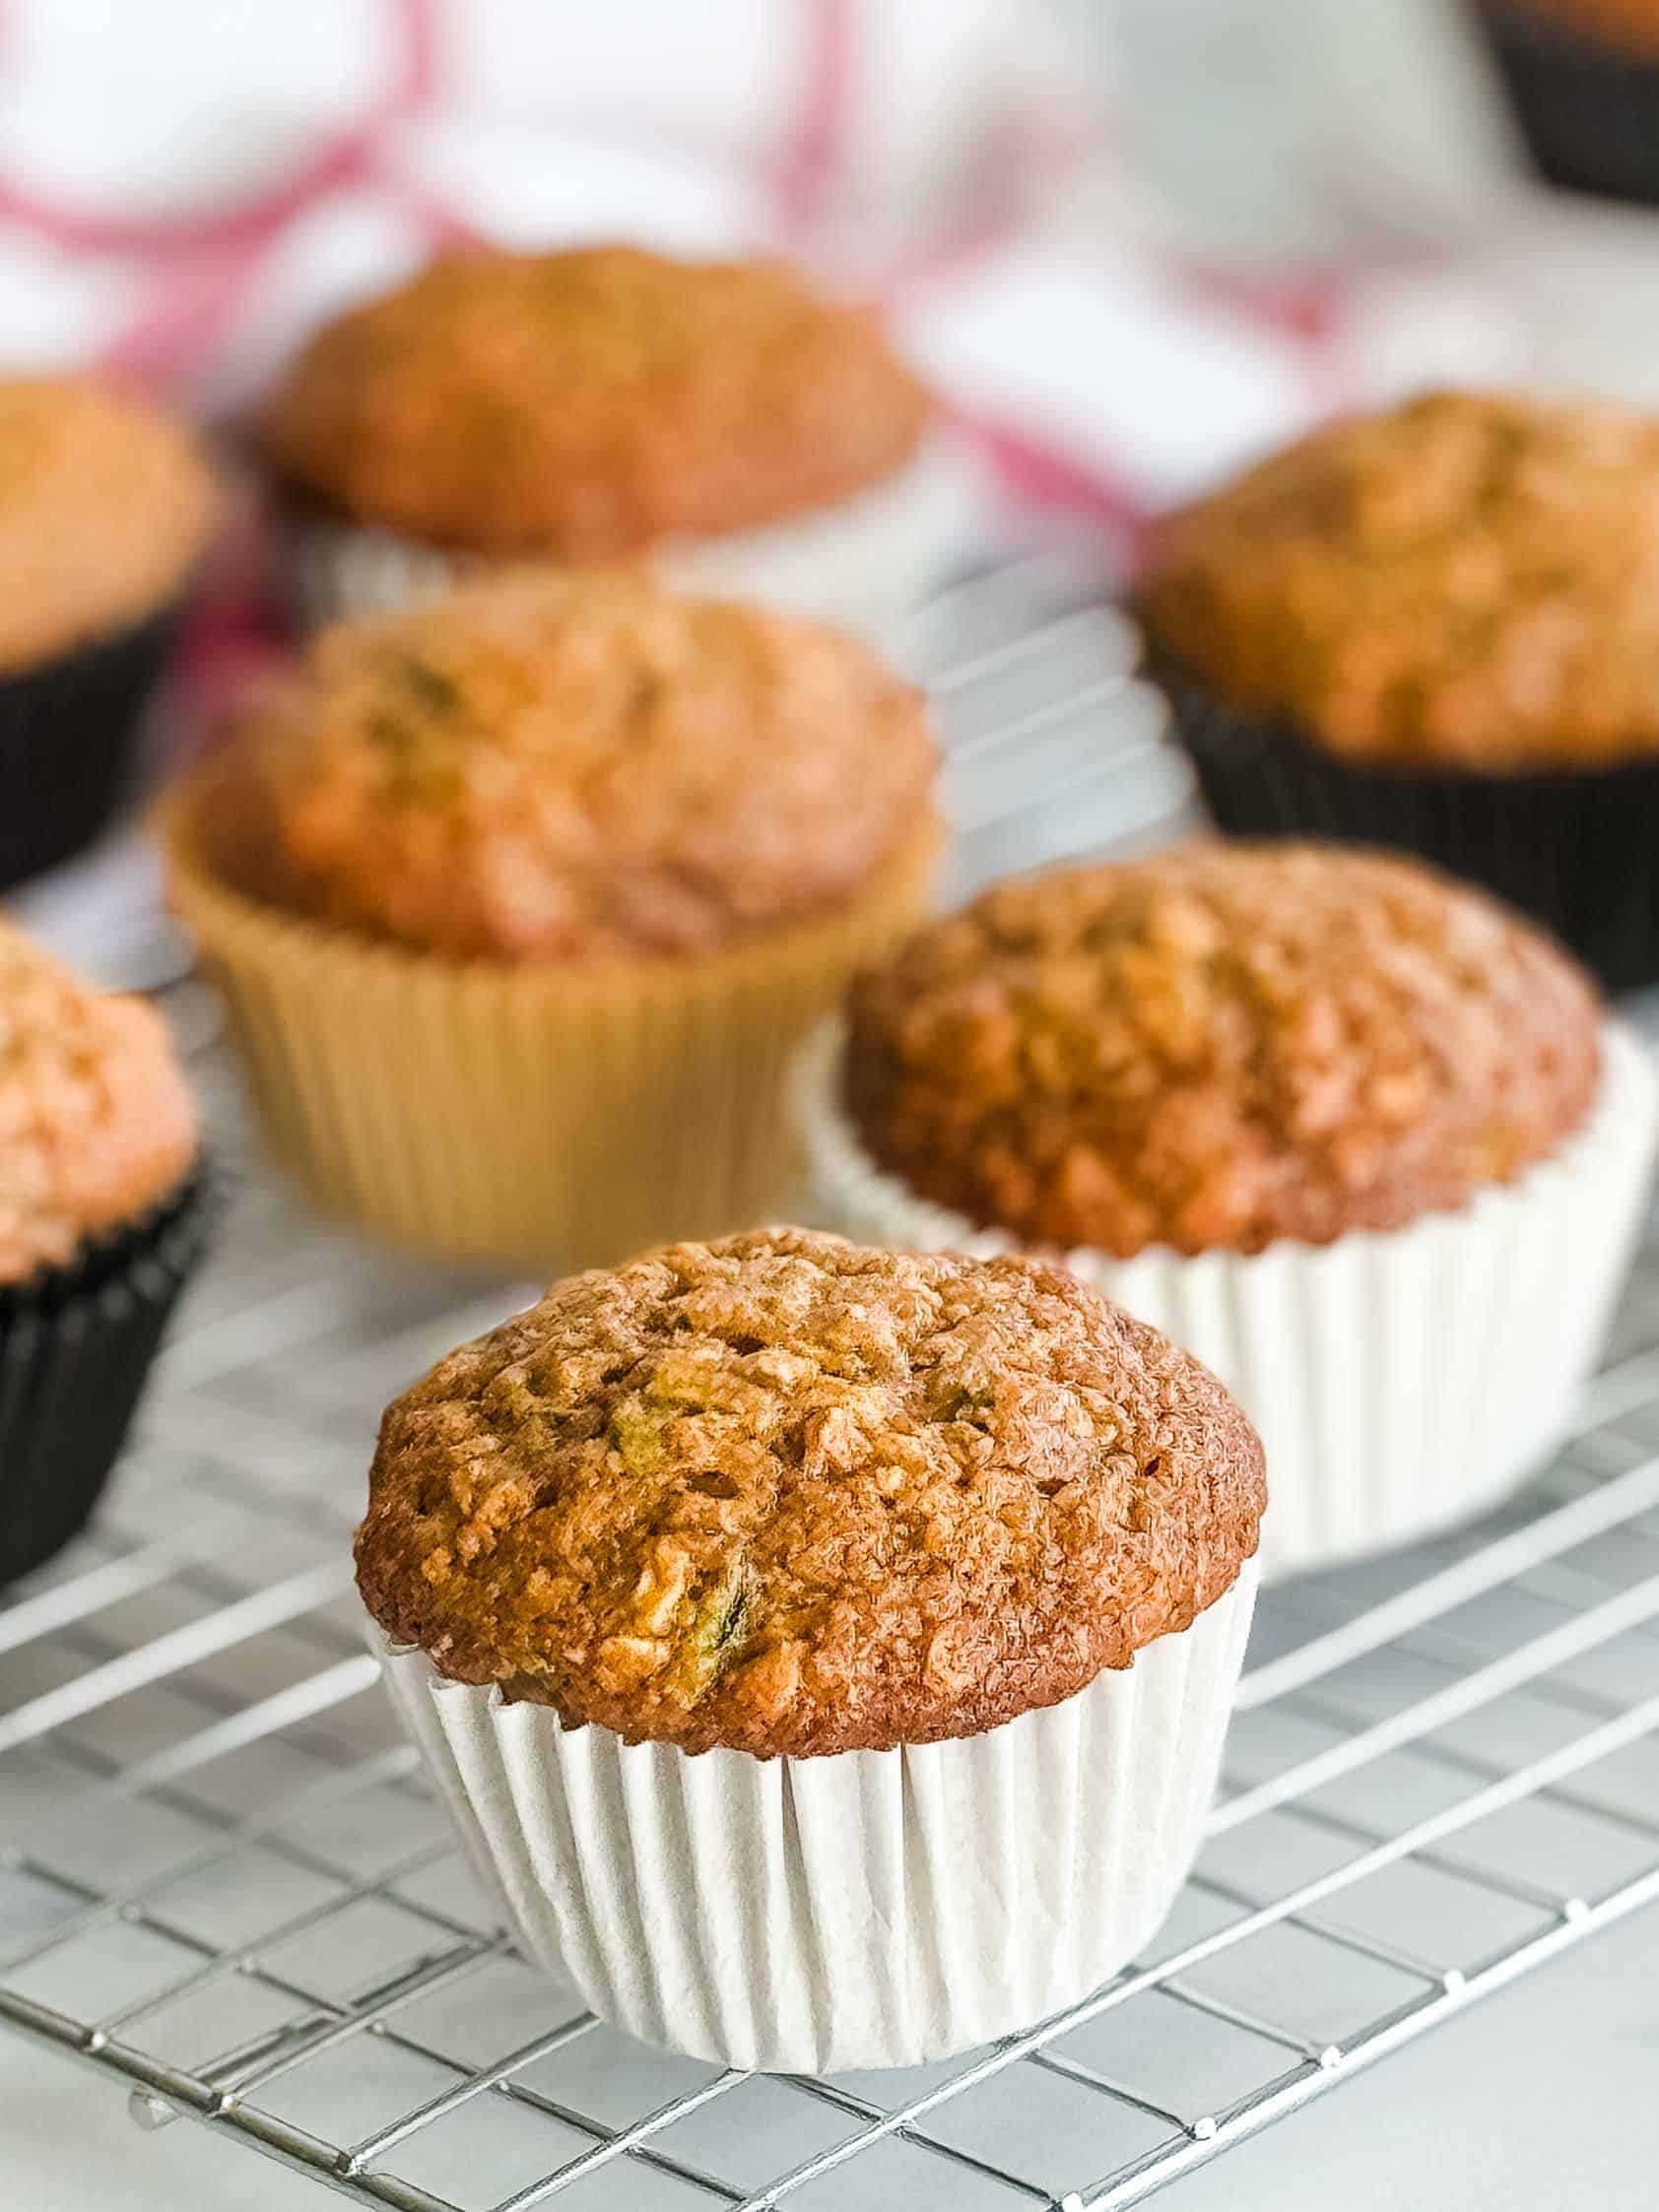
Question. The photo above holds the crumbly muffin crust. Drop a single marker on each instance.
(1470, 581)
(96, 1122)
(589, 404)
(787, 1495)
(1220, 1046)
(549, 767)
(105, 505)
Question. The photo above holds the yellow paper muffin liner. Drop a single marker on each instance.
(544, 1119)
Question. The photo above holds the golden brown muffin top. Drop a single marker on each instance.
(589, 404)
(105, 506)
(788, 1495)
(1218, 1046)
(95, 1123)
(1469, 580)
(550, 767)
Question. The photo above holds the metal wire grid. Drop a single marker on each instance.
(226, 1885)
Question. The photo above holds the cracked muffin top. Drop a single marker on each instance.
(105, 506)
(787, 1495)
(587, 405)
(1470, 581)
(1220, 1046)
(95, 1123)
(547, 767)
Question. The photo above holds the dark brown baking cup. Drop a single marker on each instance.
(1578, 849)
(76, 1345)
(1588, 111)
(68, 730)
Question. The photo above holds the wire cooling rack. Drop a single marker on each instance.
(223, 1884)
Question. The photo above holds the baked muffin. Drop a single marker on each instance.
(105, 508)
(783, 1499)
(101, 1218)
(604, 404)
(1436, 628)
(521, 901)
(1584, 79)
(1354, 1132)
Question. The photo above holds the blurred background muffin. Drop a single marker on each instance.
(521, 901)
(101, 1217)
(603, 404)
(105, 508)
(778, 1498)
(1352, 1132)
(1439, 629)
(1584, 79)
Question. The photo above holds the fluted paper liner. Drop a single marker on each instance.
(858, 564)
(1572, 847)
(76, 1347)
(1401, 1381)
(1587, 102)
(867, 1909)
(70, 730)
(547, 1119)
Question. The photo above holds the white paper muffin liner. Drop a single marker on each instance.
(866, 1909)
(1401, 1381)
(859, 566)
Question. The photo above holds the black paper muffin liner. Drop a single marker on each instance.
(76, 1345)
(1577, 849)
(1588, 111)
(67, 735)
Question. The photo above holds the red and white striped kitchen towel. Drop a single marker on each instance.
(187, 186)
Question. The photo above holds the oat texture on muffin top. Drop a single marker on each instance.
(1470, 581)
(96, 1122)
(588, 405)
(546, 767)
(788, 1495)
(1220, 1046)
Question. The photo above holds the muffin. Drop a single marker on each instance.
(825, 1652)
(101, 1220)
(1439, 629)
(1356, 1135)
(607, 404)
(1584, 79)
(522, 901)
(104, 510)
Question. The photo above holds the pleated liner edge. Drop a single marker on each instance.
(1401, 1380)
(867, 1909)
(76, 1347)
(67, 735)
(1573, 848)
(541, 1119)
(1589, 114)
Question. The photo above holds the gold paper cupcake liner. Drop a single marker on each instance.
(547, 1120)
